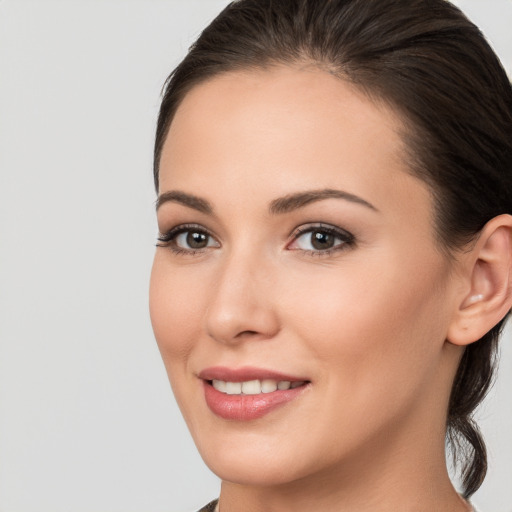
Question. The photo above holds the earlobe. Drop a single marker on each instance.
(487, 298)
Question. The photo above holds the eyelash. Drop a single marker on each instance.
(168, 239)
(347, 239)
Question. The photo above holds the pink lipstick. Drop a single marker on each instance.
(248, 393)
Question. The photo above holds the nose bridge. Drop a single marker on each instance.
(242, 303)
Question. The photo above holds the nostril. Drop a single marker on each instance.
(246, 333)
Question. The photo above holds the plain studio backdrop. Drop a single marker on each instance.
(87, 418)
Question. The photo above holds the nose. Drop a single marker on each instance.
(242, 305)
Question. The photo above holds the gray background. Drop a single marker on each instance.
(87, 419)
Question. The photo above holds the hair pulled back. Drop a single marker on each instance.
(434, 67)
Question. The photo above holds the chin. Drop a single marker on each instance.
(254, 470)
(256, 458)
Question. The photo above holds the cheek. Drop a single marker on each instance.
(375, 339)
(175, 311)
(371, 318)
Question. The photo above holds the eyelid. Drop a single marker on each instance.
(345, 236)
(166, 239)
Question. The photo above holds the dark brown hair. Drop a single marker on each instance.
(434, 67)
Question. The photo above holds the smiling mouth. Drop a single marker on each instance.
(248, 393)
(254, 387)
(249, 400)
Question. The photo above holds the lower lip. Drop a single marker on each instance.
(247, 407)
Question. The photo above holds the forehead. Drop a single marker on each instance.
(284, 97)
(285, 127)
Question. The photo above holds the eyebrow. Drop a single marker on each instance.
(278, 206)
(194, 202)
(292, 202)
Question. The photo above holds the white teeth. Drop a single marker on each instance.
(268, 386)
(254, 387)
(219, 385)
(233, 388)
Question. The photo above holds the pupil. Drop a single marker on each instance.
(197, 240)
(322, 240)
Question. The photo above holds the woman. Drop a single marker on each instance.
(334, 186)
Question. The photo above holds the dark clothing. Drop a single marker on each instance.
(210, 507)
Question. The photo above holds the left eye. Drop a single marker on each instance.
(320, 239)
(187, 239)
(194, 240)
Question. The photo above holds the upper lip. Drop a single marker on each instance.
(246, 373)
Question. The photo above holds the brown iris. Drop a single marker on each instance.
(321, 240)
(197, 240)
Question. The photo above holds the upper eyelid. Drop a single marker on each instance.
(171, 234)
(186, 227)
(346, 238)
(306, 228)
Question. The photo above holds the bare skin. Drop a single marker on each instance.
(366, 317)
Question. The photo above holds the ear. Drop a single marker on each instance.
(486, 296)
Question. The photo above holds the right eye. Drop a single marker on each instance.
(187, 239)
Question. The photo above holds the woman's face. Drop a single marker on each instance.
(297, 248)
